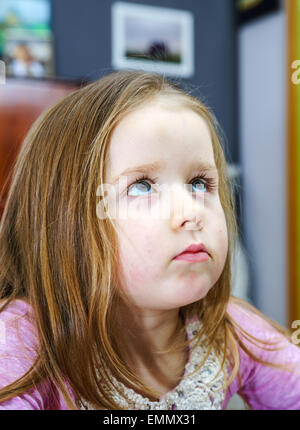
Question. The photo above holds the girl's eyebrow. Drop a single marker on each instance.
(158, 166)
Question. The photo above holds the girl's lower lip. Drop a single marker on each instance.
(193, 256)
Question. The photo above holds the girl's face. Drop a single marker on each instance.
(173, 207)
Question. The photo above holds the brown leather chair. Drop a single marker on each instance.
(21, 102)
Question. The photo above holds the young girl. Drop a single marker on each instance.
(103, 307)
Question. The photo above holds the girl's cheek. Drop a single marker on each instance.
(142, 231)
(223, 235)
(135, 272)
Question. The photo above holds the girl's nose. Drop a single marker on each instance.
(187, 209)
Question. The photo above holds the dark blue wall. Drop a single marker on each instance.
(82, 31)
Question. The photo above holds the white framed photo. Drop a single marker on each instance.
(155, 39)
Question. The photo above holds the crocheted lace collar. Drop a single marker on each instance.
(199, 391)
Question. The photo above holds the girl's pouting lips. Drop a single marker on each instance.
(194, 253)
(193, 257)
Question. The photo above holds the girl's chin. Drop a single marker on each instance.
(191, 297)
(178, 302)
(173, 298)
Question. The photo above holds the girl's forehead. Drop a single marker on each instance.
(160, 120)
(155, 134)
(163, 104)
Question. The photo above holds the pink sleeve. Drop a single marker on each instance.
(18, 349)
(264, 387)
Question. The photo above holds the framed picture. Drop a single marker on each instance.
(251, 9)
(154, 39)
(26, 44)
(27, 54)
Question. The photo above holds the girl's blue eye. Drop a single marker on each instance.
(141, 186)
(202, 183)
(144, 184)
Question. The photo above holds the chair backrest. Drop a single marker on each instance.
(21, 102)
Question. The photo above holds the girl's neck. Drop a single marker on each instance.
(157, 330)
(146, 334)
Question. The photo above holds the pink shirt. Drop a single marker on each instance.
(265, 387)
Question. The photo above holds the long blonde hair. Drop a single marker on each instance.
(58, 256)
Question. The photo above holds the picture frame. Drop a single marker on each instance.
(154, 39)
(26, 39)
(248, 10)
(20, 45)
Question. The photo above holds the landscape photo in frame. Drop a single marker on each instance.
(154, 39)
